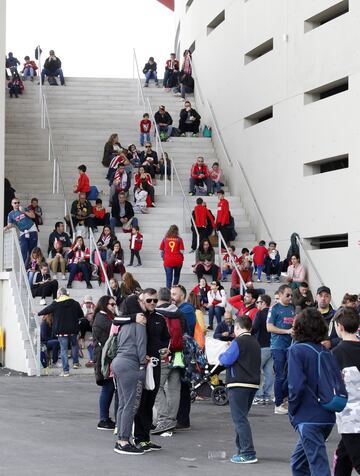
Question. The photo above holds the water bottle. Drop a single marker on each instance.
(216, 455)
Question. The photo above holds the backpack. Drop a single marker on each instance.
(176, 335)
(108, 354)
(163, 136)
(331, 390)
(194, 361)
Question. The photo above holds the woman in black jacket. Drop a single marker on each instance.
(104, 315)
(111, 148)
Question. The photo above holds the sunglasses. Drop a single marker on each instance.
(150, 300)
(112, 304)
(258, 302)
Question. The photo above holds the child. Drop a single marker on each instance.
(215, 176)
(140, 196)
(145, 127)
(136, 240)
(83, 183)
(34, 206)
(228, 266)
(29, 68)
(101, 216)
(259, 253)
(347, 353)
(15, 85)
(242, 381)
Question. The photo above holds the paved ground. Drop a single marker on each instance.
(48, 427)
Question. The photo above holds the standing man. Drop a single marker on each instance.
(67, 313)
(157, 339)
(201, 215)
(323, 301)
(22, 218)
(223, 215)
(280, 322)
(242, 361)
(178, 296)
(163, 122)
(264, 394)
(168, 397)
(52, 67)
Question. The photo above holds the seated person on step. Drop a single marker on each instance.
(29, 68)
(111, 149)
(79, 262)
(163, 122)
(200, 177)
(120, 160)
(140, 196)
(149, 160)
(115, 260)
(101, 216)
(83, 182)
(81, 212)
(133, 156)
(57, 258)
(52, 67)
(43, 285)
(225, 330)
(215, 175)
(121, 182)
(144, 179)
(49, 340)
(33, 263)
(150, 72)
(171, 75)
(205, 261)
(60, 234)
(122, 213)
(189, 120)
(104, 243)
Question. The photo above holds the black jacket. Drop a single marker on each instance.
(86, 207)
(115, 210)
(52, 65)
(150, 67)
(158, 336)
(38, 279)
(101, 328)
(163, 118)
(184, 114)
(259, 328)
(109, 153)
(67, 312)
(143, 156)
(56, 236)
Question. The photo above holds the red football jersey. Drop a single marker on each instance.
(171, 248)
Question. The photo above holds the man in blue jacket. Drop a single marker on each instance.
(225, 330)
(242, 361)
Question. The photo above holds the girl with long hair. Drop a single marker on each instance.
(172, 253)
(78, 262)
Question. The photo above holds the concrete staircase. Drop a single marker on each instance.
(83, 115)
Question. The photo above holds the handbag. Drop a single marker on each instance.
(149, 375)
(214, 241)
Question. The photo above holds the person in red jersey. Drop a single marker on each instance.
(201, 216)
(172, 253)
(83, 183)
(259, 253)
(136, 242)
(223, 215)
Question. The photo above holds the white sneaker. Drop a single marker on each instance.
(42, 302)
(63, 277)
(281, 410)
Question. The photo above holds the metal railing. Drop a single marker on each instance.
(248, 196)
(13, 261)
(140, 91)
(222, 245)
(95, 249)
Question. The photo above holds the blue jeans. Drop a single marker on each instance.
(53, 346)
(29, 71)
(259, 269)
(64, 344)
(218, 312)
(77, 268)
(225, 273)
(58, 72)
(309, 456)
(144, 137)
(240, 400)
(280, 358)
(28, 244)
(167, 129)
(105, 399)
(151, 75)
(116, 222)
(172, 275)
(267, 364)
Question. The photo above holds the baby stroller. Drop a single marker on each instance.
(208, 382)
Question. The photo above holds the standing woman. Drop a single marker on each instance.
(104, 315)
(217, 303)
(172, 253)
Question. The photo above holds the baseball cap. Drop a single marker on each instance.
(323, 289)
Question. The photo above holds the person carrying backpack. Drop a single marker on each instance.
(314, 378)
(167, 403)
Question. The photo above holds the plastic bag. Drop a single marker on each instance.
(149, 376)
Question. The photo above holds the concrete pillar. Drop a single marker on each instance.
(2, 120)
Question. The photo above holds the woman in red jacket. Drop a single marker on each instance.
(172, 252)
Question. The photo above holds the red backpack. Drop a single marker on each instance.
(176, 334)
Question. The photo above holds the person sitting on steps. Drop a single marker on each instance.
(52, 67)
(171, 75)
(79, 257)
(189, 120)
(199, 176)
(163, 122)
(150, 72)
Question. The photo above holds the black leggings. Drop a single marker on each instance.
(347, 455)
(85, 327)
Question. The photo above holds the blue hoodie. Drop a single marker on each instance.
(188, 311)
(302, 385)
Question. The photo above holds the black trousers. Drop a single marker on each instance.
(47, 289)
(214, 271)
(203, 234)
(224, 229)
(134, 253)
(347, 455)
(144, 415)
(183, 415)
(102, 221)
(85, 327)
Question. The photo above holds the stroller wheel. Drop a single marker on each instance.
(219, 395)
(192, 396)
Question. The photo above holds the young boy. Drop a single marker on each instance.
(347, 353)
(34, 206)
(83, 183)
(136, 241)
(101, 216)
(272, 263)
(227, 265)
(242, 361)
(259, 252)
(145, 127)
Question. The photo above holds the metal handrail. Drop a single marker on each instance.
(29, 314)
(96, 249)
(222, 244)
(140, 91)
(222, 144)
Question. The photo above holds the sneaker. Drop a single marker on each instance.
(195, 134)
(129, 264)
(68, 286)
(162, 427)
(258, 401)
(127, 449)
(106, 425)
(277, 279)
(243, 459)
(64, 374)
(76, 366)
(43, 302)
(258, 280)
(89, 286)
(146, 85)
(63, 277)
(89, 365)
(153, 205)
(147, 446)
(268, 401)
(139, 264)
(191, 194)
(268, 280)
(281, 410)
(183, 134)
(180, 427)
(210, 328)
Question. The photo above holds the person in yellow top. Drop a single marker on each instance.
(200, 326)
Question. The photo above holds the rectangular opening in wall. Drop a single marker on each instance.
(330, 164)
(188, 4)
(327, 15)
(328, 241)
(327, 90)
(259, 51)
(216, 22)
(257, 117)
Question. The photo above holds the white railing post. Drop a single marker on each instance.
(172, 178)
(140, 89)
(54, 177)
(49, 146)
